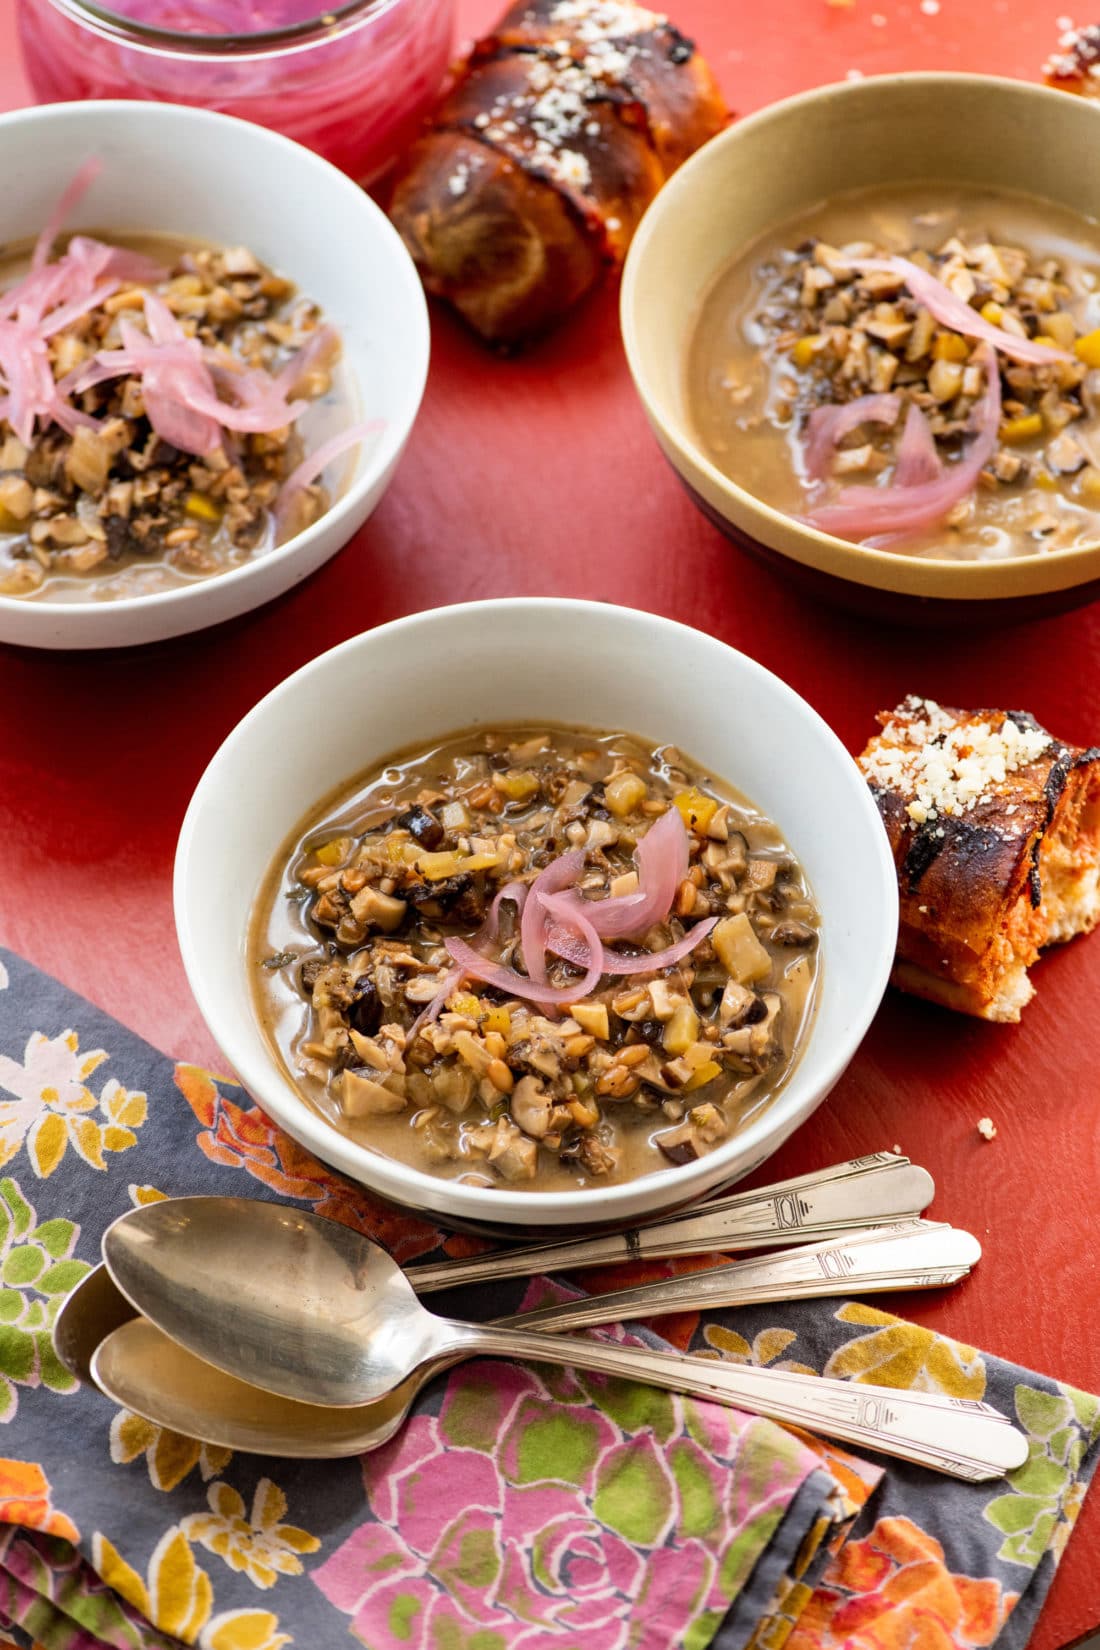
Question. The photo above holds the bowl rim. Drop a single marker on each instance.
(371, 465)
(413, 1187)
(803, 543)
(344, 18)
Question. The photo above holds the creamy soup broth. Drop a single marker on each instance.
(749, 398)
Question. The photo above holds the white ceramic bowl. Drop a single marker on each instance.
(192, 172)
(579, 663)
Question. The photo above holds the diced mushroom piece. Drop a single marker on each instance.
(377, 910)
(512, 1153)
(88, 461)
(793, 933)
(370, 1053)
(474, 1052)
(597, 1157)
(679, 1145)
(1065, 456)
(739, 1006)
(361, 1096)
(757, 1043)
(739, 950)
(453, 1086)
(531, 1107)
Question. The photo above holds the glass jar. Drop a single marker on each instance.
(353, 84)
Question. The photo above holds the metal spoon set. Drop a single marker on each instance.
(267, 1329)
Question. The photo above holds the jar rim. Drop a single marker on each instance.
(331, 22)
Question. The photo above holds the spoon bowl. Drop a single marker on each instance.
(145, 1371)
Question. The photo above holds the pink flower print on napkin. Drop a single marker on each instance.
(537, 1511)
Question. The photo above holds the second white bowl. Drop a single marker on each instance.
(189, 172)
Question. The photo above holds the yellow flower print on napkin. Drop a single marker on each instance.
(902, 1354)
(244, 1630)
(763, 1350)
(177, 1597)
(52, 1106)
(261, 1545)
(169, 1456)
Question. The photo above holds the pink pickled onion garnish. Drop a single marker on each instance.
(310, 468)
(515, 984)
(560, 873)
(515, 891)
(954, 312)
(827, 426)
(917, 458)
(662, 858)
(319, 348)
(561, 910)
(868, 512)
(564, 944)
(53, 225)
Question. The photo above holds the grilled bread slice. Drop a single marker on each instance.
(995, 829)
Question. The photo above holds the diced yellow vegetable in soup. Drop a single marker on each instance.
(334, 852)
(705, 1074)
(517, 784)
(804, 351)
(623, 793)
(1023, 428)
(497, 1018)
(992, 312)
(683, 1028)
(949, 346)
(696, 809)
(465, 1003)
(202, 508)
(739, 950)
(1087, 349)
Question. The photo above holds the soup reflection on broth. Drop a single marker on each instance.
(536, 957)
(959, 331)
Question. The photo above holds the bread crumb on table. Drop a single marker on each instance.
(987, 1128)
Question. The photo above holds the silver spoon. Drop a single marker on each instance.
(914, 1254)
(316, 1313)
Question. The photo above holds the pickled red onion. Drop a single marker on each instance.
(827, 426)
(662, 857)
(954, 312)
(564, 944)
(310, 467)
(515, 984)
(560, 873)
(917, 458)
(871, 512)
(80, 185)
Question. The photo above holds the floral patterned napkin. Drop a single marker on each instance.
(521, 1508)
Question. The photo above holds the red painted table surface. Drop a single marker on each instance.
(539, 477)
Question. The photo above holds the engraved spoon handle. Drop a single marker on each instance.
(956, 1436)
(912, 1255)
(865, 1191)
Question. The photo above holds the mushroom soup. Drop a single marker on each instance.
(544, 957)
(915, 369)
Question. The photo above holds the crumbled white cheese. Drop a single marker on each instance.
(596, 19)
(987, 1128)
(946, 768)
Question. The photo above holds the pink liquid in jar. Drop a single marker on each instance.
(353, 83)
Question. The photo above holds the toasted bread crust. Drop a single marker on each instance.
(985, 880)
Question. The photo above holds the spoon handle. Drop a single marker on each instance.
(956, 1436)
(866, 1191)
(917, 1254)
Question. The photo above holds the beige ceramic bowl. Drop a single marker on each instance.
(961, 129)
